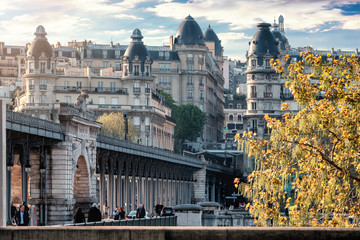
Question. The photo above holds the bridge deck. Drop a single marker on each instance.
(26, 124)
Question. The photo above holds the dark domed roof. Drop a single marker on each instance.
(40, 44)
(189, 32)
(263, 42)
(210, 36)
(281, 19)
(280, 37)
(136, 47)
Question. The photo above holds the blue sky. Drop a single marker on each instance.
(322, 24)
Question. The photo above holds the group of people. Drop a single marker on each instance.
(119, 213)
(94, 214)
(20, 217)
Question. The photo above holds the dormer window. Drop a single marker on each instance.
(253, 63)
(136, 70)
(42, 67)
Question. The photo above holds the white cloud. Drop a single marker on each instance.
(126, 16)
(302, 15)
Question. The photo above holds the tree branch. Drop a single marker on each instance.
(326, 159)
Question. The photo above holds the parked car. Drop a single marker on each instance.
(132, 215)
(167, 211)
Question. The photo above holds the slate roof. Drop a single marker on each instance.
(136, 47)
(189, 33)
(210, 36)
(40, 44)
(263, 42)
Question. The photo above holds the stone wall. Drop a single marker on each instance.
(176, 233)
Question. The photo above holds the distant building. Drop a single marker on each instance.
(12, 67)
(133, 92)
(190, 69)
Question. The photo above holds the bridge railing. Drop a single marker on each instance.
(158, 221)
(114, 144)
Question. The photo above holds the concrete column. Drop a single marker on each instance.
(119, 186)
(152, 193)
(207, 189)
(167, 193)
(171, 192)
(162, 191)
(146, 190)
(190, 190)
(213, 190)
(3, 162)
(185, 192)
(157, 195)
(177, 192)
(133, 190)
(102, 191)
(110, 193)
(127, 188)
(140, 191)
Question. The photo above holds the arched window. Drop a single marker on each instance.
(231, 117)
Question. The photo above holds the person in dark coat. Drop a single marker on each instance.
(121, 213)
(94, 213)
(158, 208)
(79, 216)
(140, 212)
(22, 217)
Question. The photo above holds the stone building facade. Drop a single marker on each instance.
(189, 68)
(46, 85)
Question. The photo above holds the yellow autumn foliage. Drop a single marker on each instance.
(310, 165)
(113, 125)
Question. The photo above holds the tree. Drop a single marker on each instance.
(113, 125)
(310, 165)
(190, 122)
(168, 99)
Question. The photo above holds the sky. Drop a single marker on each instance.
(322, 24)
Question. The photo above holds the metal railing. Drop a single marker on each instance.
(268, 95)
(157, 221)
(75, 89)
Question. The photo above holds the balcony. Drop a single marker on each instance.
(190, 84)
(190, 98)
(74, 89)
(286, 96)
(31, 87)
(43, 87)
(136, 90)
(164, 70)
(147, 90)
(253, 95)
(268, 95)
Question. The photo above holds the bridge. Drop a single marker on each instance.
(58, 166)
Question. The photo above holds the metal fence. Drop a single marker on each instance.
(158, 221)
